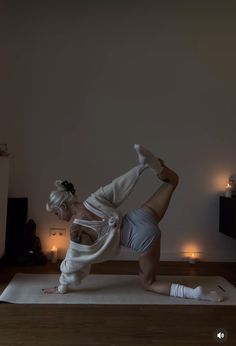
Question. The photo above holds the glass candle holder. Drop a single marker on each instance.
(228, 191)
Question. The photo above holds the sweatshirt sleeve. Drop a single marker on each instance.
(72, 273)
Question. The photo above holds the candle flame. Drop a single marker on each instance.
(54, 248)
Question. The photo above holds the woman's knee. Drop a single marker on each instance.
(148, 263)
(146, 280)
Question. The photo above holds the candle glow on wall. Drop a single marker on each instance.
(220, 181)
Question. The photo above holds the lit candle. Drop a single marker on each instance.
(54, 254)
(193, 258)
(228, 191)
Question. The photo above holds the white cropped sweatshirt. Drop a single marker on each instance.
(103, 202)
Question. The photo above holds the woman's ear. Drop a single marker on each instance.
(64, 206)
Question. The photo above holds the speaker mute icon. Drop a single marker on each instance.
(220, 335)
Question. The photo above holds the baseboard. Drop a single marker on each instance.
(128, 255)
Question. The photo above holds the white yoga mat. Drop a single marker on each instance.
(109, 289)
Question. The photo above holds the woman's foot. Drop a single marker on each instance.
(168, 176)
(146, 157)
(156, 165)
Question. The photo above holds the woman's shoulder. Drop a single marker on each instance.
(84, 214)
(80, 213)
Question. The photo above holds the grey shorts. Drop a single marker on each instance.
(139, 230)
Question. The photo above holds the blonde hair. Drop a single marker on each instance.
(64, 192)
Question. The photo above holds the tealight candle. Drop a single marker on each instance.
(228, 191)
(193, 258)
(54, 254)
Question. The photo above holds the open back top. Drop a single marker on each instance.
(101, 227)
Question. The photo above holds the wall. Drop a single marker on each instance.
(82, 81)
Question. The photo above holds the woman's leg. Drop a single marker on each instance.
(160, 200)
(149, 262)
(148, 265)
(158, 203)
(120, 188)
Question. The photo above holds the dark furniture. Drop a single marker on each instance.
(227, 223)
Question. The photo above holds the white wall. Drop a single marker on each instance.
(83, 81)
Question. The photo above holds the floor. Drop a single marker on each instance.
(114, 325)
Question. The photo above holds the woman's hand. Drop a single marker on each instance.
(51, 290)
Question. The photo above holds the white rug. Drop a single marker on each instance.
(109, 289)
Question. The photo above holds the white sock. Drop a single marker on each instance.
(146, 157)
(181, 291)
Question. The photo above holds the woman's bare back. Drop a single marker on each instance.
(82, 234)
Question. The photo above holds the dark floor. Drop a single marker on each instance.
(126, 325)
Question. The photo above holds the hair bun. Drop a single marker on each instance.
(64, 185)
(59, 186)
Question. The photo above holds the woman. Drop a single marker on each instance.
(98, 228)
